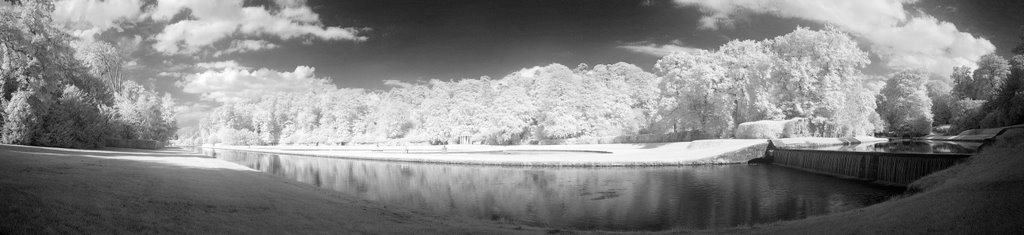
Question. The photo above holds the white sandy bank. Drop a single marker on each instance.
(679, 153)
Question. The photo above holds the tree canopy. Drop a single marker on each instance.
(904, 104)
(53, 91)
(813, 74)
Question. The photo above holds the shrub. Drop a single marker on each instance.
(20, 120)
(764, 129)
(73, 122)
(772, 129)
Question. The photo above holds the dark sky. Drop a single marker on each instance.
(454, 39)
(999, 21)
(412, 40)
(420, 40)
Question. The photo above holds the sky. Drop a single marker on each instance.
(207, 52)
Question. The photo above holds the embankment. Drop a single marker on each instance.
(51, 190)
(980, 196)
(66, 191)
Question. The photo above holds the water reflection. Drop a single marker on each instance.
(653, 198)
(909, 146)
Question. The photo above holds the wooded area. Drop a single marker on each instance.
(58, 90)
(811, 75)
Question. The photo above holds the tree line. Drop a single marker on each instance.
(811, 75)
(58, 90)
(990, 96)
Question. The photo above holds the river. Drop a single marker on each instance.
(594, 198)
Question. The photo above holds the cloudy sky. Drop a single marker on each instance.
(204, 52)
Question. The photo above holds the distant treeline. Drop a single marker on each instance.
(56, 90)
(813, 75)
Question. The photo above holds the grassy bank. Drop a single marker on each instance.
(51, 190)
(980, 196)
(61, 191)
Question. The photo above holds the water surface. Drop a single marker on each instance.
(608, 198)
(909, 146)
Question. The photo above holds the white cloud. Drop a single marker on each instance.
(240, 46)
(928, 44)
(171, 74)
(658, 50)
(91, 17)
(902, 39)
(290, 3)
(220, 65)
(190, 114)
(234, 84)
(212, 21)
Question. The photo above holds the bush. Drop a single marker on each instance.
(73, 122)
(764, 129)
(773, 129)
(20, 120)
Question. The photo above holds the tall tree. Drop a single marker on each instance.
(750, 65)
(963, 83)
(989, 76)
(103, 60)
(704, 95)
(904, 104)
(813, 68)
(1007, 105)
(43, 86)
(940, 94)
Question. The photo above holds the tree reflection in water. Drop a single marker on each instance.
(612, 198)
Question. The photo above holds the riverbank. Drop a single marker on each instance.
(724, 151)
(118, 191)
(980, 196)
(52, 190)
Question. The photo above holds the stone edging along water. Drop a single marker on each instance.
(805, 142)
(701, 152)
(676, 154)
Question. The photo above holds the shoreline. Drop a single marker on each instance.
(144, 191)
(54, 190)
(703, 152)
(698, 152)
